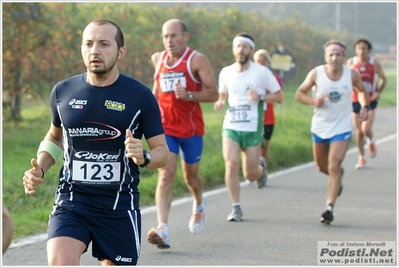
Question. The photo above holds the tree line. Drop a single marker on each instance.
(377, 20)
(41, 41)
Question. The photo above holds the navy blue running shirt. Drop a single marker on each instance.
(94, 122)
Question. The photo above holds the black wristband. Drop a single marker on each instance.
(147, 158)
(42, 173)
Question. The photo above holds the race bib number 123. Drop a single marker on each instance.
(96, 168)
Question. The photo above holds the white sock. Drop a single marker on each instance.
(237, 204)
(372, 140)
(164, 226)
(200, 208)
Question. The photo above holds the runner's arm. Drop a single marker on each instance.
(364, 96)
(219, 104)
(274, 97)
(54, 135)
(159, 151)
(155, 58)
(202, 70)
(383, 79)
(302, 93)
(34, 176)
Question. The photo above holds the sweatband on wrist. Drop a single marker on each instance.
(50, 148)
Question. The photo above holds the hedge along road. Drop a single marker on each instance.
(281, 221)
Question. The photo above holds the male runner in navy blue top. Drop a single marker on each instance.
(98, 119)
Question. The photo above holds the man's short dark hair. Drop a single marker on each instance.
(245, 34)
(362, 40)
(119, 35)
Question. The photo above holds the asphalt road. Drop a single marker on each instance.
(281, 222)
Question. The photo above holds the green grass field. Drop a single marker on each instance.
(290, 146)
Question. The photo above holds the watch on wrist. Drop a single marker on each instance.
(367, 106)
(147, 158)
(190, 95)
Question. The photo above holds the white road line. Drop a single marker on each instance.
(19, 242)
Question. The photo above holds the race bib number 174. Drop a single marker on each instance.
(169, 81)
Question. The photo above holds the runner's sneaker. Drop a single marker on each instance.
(373, 149)
(262, 181)
(160, 237)
(197, 220)
(327, 217)
(361, 164)
(235, 215)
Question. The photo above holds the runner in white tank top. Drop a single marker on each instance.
(334, 117)
(331, 122)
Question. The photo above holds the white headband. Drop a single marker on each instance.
(244, 39)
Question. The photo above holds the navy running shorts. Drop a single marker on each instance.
(268, 131)
(357, 107)
(115, 234)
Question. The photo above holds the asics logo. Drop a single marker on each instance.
(123, 259)
(77, 102)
